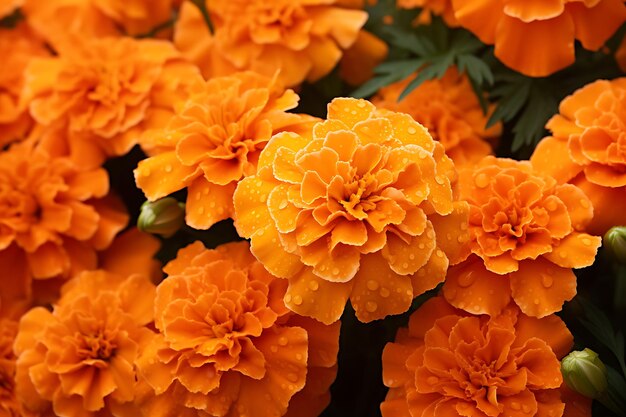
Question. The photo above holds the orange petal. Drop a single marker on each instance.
(431, 274)
(208, 203)
(551, 329)
(288, 140)
(162, 175)
(395, 372)
(48, 261)
(250, 209)
(575, 251)
(312, 296)
(609, 206)
(578, 205)
(265, 246)
(113, 218)
(323, 340)
(527, 11)
(350, 110)
(406, 258)
(595, 25)
(132, 253)
(551, 158)
(423, 319)
(452, 232)
(481, 17)
(540, 287)
(471, 287)
(378, 291)
(395, 404)
(551, 43)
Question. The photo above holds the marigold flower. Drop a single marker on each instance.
(18, 46)
(53, 218)
(60, 21)
(362, 209)
(79, 358)
(536, 38)
(9, 404)
(449, 363)
(214, 140)
(101, 94)
(585, 149)
(441, 8)
(527, 231)
(304, 40)
(227, 344)
(449, 109)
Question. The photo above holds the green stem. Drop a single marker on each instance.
(201, 5)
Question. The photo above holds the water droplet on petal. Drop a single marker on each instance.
(372, 285)
(547, 280)
(282, 341)
(384, 292)
(467, 278)
(371, 306)
(481, 180)
(282, 205)
(432, 380)
(412, 130)
(314, 285)
(297, 300)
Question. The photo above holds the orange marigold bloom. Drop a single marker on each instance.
(448, 363)
(214, 140)
(53, 218)
(362, 209)
(17, 47)
(60, 20)
(228, 344)
(9, 404)
(587, 149)
(79, 358)
(527, 228)
(441, 8)
(303, 39)
(449, 109)
(536, 37)
(101, 94)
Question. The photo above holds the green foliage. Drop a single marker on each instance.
(431, 49)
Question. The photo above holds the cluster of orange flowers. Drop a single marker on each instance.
(377, 203)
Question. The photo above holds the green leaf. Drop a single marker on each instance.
(388, 73)
(476, 69)
(600, 327)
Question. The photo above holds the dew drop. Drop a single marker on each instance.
(467, 278)
(587, 241)
(481, 180)
(263, 198)
(526, 408)
(372, 285)
(384, 292)
(282, 205)
(288, 298)
(292, 377)
(405, 265)
(547, 280)
(411, 256)
(201, 210)
(584, 203)
(297, 300)
(298, 356)
(168, 168)
(536, 301)
(412, 130)
(371, 306)
(282, 341)
(515, 405)
(274, 348)
(361, 104)
(335, 271)
(314, 285)
(432, 380)
(450, 294)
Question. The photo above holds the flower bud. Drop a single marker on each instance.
(584, 372)
(615, 243)
(162, 217)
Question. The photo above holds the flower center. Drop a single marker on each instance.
(360, 197)
(98, 346)
(18, 206)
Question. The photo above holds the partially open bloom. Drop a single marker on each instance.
(527, 231)
(214, 140)
(54, 217)
(536, 38)
(300, 39)
(441, 8)
(450, 110)
(18, 47)
(228, 346)
(448, 363)
(98, 95)
(78, 360)
(362, 209)
(587, 148)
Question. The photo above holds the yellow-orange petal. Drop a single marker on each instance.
(577, 250)
(208, 203)
(132, 253)
(251, 210)
(452, 232)
(471, 287)
(378, 291)
(431, 274)
(550, 158)
(540, 287)
(266, 247)
(312, 296)
(162, 175)
(551, 329)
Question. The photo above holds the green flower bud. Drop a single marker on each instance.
(615, 243)
(584, 372)
(162, 217)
